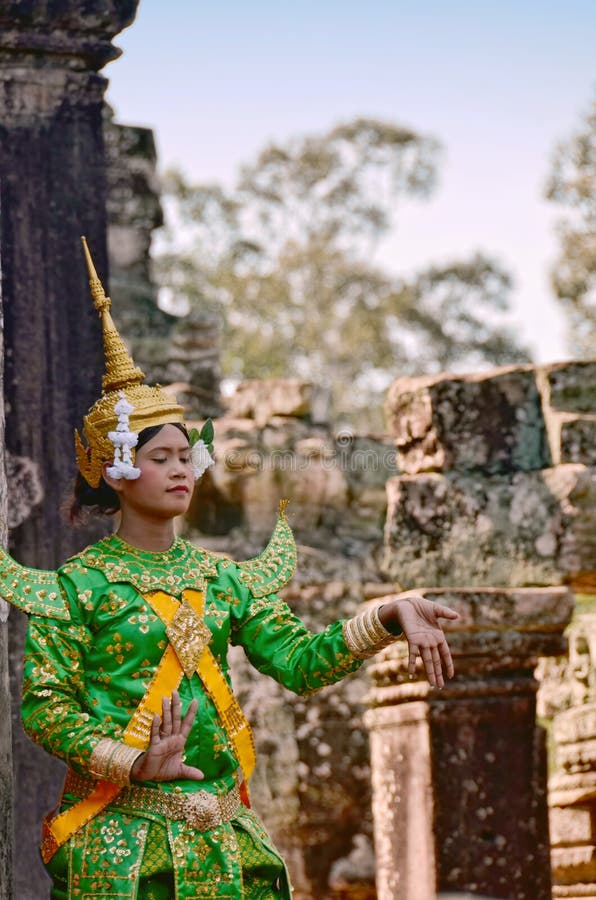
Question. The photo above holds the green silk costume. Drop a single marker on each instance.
(93, 646)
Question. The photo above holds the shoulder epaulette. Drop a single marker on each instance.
(34, 591)
(273, 568)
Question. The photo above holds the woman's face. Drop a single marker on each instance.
(164, 488)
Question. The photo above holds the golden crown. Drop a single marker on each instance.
(151, 405)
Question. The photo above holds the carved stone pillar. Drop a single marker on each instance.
(459, 775)
(52, 190)
(572, 800)
(568, 697)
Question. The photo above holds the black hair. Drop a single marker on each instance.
(104, 500)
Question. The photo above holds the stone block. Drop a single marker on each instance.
(571, 865)
(282, 433)
(569, 386)
(572, 788)
(449, 813)
(260, 400)
(578, 440)
(572, 825)
(367, 460)
(577, 724)
(571, 680)
(572, 438)
(528, 528)
(483, 422)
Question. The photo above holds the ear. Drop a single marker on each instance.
(116, 484)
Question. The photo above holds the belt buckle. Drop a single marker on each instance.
(201, 810)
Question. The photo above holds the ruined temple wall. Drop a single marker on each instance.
(495, 509)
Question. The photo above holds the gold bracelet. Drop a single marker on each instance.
(113, 761)
(365, 634)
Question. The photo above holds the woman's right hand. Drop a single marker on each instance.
(163, 759)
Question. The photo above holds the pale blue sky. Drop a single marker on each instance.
(498, 83)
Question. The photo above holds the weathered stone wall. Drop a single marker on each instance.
(492, 495)
(459, 775)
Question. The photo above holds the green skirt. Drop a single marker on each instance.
(262, 872)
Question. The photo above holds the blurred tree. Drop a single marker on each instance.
(287, 257)
(572, 184)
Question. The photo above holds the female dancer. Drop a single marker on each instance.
(126, 677)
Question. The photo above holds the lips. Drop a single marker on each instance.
(180, 489)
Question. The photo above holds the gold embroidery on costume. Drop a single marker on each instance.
(182, 566)
(189, 636)
(35, 591)
(273, 568)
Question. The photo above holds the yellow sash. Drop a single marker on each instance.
(183, 627)
(187, 652)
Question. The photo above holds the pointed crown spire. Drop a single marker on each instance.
(121, 371)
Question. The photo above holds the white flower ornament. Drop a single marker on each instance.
(201, 449)
(123, 440)
(201, 458)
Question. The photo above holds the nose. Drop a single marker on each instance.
(178, 470)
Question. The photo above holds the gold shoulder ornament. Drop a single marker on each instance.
(268, 572)
(34, 591)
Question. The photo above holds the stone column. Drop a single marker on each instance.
(52, 190)
(6, 835)
(568, 697)
(459, 775)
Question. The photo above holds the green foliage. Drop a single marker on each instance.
(206, 435)
(572, 185)
(286, 257)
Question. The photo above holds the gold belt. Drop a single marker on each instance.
(202, 810)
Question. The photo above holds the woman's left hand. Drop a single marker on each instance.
(419, 620)
(164, 758)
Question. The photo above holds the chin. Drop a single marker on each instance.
(179, 503)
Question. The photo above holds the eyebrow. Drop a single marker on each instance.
(170, 449)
